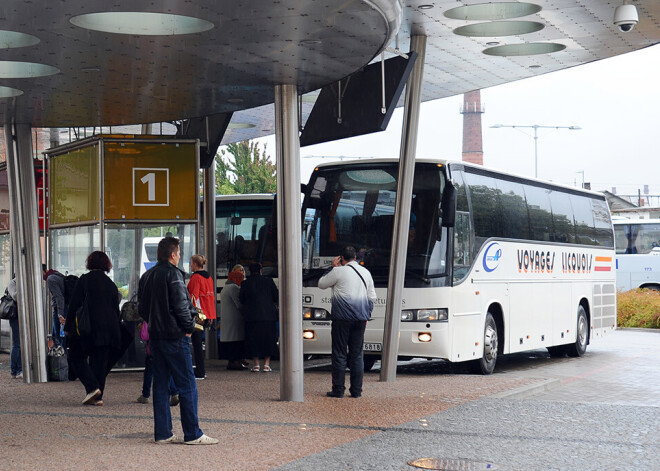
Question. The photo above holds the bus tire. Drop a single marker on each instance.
(486, 364)
(578, 348)
(369, 361)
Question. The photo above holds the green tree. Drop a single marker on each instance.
(244, 168)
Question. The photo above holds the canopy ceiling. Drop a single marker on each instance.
(65, 69)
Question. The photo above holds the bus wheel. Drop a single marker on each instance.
(486, 364)
(369, 361)
(578, 348)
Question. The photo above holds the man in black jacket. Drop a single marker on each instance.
(164, 303)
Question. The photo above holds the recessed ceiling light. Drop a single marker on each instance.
(492, 11)
(235, 101)
(492, 43)
(13, 69)
(426, 6)
(11, 39)
(90, 69)
(534, 66)
(6, 92)
(309, 42)
(526, 49)
(141, 23)
(496, 29)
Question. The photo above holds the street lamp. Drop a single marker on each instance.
(536, 127)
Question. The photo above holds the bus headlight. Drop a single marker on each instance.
(424, 337)
(425, 315)
(311, 313)
(429, 315)
(308, 334)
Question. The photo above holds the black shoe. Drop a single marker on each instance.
(356, 395)
(334, 394)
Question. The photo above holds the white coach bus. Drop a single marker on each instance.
(637, 253)
(496, 263)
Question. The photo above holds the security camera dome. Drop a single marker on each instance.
(625, 17)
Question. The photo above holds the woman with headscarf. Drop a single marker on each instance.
(232, 324)
(202, 290)
(90, 355)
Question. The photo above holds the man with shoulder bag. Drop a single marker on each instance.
(353, 299)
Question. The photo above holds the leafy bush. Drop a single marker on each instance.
(639, 308)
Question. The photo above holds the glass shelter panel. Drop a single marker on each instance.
(70, 247)
(74, 186)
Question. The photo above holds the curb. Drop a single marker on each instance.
(529, 390)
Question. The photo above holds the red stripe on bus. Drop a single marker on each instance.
(602, 268)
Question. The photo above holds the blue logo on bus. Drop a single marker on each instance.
(492, 257)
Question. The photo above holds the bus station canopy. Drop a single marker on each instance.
(93, 62)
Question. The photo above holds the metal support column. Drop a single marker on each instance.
(289, 236)
(402, 212)
(27, 251)
(209, 249)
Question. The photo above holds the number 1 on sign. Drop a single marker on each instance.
(150, 180)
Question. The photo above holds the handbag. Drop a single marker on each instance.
(200, 318)
(129, 310)
(7, 306)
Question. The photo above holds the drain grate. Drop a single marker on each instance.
(450, 464)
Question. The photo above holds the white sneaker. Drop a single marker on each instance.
(172, 439)
(203, 440)
(19, 375)
(91, 397)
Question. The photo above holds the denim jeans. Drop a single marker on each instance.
(56, 331)
(172, 359)
(148, 377)
(15, 355)
(347, 336)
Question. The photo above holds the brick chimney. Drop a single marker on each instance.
(473, 150)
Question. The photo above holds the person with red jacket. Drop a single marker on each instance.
(202, 291)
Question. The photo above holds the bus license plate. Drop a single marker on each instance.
(373, 347)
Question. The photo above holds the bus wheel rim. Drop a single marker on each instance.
(490, 343)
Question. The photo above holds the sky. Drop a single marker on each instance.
(615, 101)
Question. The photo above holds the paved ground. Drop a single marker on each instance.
(599, 412)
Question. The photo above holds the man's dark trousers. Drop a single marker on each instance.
(347, 336)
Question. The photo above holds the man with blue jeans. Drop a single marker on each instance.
(353, 298)
(164, 303)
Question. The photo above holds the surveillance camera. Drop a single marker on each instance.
(625, 17)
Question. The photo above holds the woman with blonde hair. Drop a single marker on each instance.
(232, 325)
(202, 291)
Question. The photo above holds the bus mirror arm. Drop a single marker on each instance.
(448, 206)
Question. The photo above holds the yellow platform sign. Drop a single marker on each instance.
(150, 181)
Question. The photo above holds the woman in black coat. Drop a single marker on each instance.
(259, 297)
(90, 355)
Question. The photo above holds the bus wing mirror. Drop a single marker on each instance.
(236, 221)
(303, 188)
(448, 206)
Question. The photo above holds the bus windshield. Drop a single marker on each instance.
(245, 234)
(638, 237)
(354, 205)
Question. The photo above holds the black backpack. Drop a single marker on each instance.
(70, 282)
